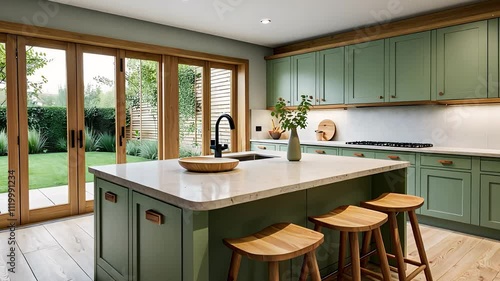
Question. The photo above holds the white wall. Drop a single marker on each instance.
(471, 126)
(59, 16)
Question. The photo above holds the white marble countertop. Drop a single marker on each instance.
(437, 150)
(167, 181)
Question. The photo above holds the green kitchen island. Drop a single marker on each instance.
(156, 221)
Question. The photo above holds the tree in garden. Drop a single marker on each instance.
(34, 61)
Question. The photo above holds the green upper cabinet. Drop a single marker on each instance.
(279, 80)
(366, 72)
(462, 61)
(331, 76)
(410, 67)
(303, 76)
(493, 58)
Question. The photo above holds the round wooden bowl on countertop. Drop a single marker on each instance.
(208, 164)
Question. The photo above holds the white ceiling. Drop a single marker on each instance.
(292, 20)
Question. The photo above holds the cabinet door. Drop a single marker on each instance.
(304, 76)
(157, 238)
(490, 196)
(410, 67)
(279, 79)
(112, 226)
(331, 76)
(462, 62)
(447, 194)
(366, 72)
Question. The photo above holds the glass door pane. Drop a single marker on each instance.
(190, 110)
(47, 127)
(141, 91)
(99, 114)
(220, 103)
(4, 163)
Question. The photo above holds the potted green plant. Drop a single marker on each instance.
(290, 119)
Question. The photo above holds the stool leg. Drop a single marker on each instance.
(313, 266)
(384, 264)
(343, 242)
(274, 271)
(304, 272)
(420, 244)
(356, 265)
(366, 247)
(396, 243)
(234, 267)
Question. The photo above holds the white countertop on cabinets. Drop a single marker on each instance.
(437, 150)
(167, 181)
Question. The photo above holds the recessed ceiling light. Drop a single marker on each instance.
(265, 21)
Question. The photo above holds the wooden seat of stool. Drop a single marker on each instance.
(351, 220)
(278, 242)
(392, 203)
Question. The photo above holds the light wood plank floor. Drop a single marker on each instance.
(63, 250)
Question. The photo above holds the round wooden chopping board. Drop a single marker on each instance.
(328, 128)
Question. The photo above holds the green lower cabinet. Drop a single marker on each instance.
(282, 147)
(447, 194)
(321, 150)
(102, 275)
(157, 237)
(490, 196)
(112, 226)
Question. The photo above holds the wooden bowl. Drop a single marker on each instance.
(208, 164)
(275, 135)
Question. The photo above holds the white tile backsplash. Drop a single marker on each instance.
(469, 126)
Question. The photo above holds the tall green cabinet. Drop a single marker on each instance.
(462, 61)
(366, 72)
(331, 76)
(303, 76)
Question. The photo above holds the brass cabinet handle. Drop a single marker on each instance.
(110, 196)
(261, 147)
(381, 97)
(154, 217)
(393, 157)
(393, 96)
(359, 154)
(320, 151)
(441, 93)
(317, 100)
(445, 162)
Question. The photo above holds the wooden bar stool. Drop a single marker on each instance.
(278, 242)
(393, 203)
(351, 220)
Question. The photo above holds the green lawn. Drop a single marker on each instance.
(51, 169)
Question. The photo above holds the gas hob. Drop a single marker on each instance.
(391, 144)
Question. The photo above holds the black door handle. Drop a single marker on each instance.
(80, 138)
(72, 138)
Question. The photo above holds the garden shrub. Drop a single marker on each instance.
(61, 145)
(91, 139)
(106, 143)
(51, 121)
(133, 147)
(3, 143)
(188, 151)
(149, 150)
(36, 141)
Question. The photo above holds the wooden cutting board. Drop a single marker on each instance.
(208, 164)
(328, 128)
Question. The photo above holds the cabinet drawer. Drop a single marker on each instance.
(358, 153)
(399, 156)
(446, 161)
(321, 150)
(263, 146)
(490, 165)
(282, 147)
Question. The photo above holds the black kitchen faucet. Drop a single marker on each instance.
(216, 146)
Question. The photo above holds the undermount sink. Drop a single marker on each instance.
(250, 157)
